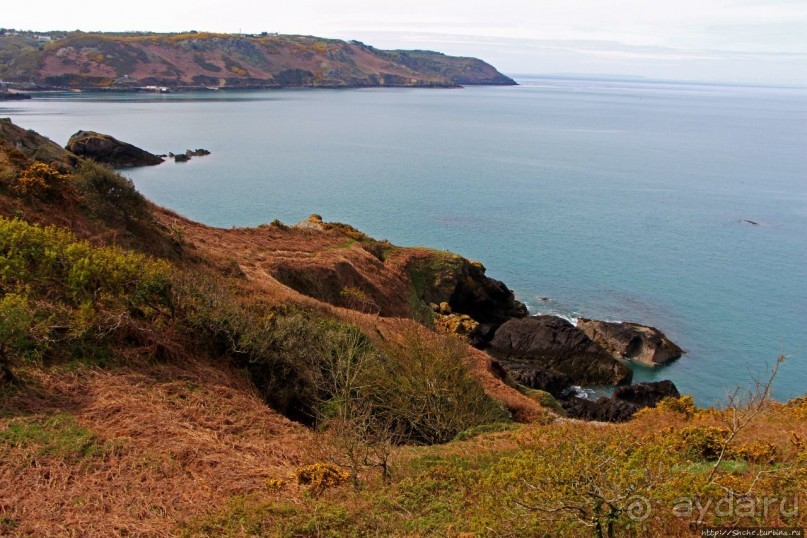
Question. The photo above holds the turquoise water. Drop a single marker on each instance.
(615, 200)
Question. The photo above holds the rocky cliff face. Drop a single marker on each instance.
(442, 277)
(34, 146)
(199, 60)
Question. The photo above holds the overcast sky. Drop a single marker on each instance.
(760, 41)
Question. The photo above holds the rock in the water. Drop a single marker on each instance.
(623, 403)
(12, 96)
(631, 341)
(181, 158)
(109, 150)
(552, 343)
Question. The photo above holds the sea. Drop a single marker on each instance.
(677, 205)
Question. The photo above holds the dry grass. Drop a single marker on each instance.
(259, 251)
(172, 442)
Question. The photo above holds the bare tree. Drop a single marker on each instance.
(743, 407)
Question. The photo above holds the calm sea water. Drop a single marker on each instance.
(616, 200)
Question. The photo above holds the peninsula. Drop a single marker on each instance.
(196, 60)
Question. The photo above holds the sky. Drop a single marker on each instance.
(751, 41)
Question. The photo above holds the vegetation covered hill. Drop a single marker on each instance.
(204, 60)
(159, 377)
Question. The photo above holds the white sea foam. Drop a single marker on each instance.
(581, 392)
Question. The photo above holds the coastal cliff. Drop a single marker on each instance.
(195, 60)
(162, 377)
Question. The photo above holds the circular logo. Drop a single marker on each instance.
(638, 508)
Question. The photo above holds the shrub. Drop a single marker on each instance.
(56, 290)
(50, 262)
(544, 399)
(277, 223)
(701, 442)
(759, 452)
(685, 405)
(15, 322)
(426, 389)
(357, 299)
(321, 476)
(316, 370)
(107, 194)
(283, 349)
(38, 180)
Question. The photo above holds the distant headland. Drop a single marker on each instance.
(195, 60)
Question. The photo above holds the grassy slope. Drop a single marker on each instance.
(152, 433)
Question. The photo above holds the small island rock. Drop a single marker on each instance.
(631, 341)
(109, 150)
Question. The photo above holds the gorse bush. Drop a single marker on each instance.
(56, 290)
(320, 476)
(39, 180)
(701, 442)
(51, 263)
(684, 405)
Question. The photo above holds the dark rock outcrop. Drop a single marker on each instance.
(602, 410)
(11, 96)
(440, 277)
(552, 343)
(631, 341)
(647, 394)
(555, 383)
(109, 150)
(485, 299)
(623, 403)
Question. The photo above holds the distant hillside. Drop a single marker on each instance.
(197, 60)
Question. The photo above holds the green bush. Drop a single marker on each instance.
(316, 370)
(15, 321)
(57, 291)
(425, 388)
(51, 263)
(107, 194)
(283, 349)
